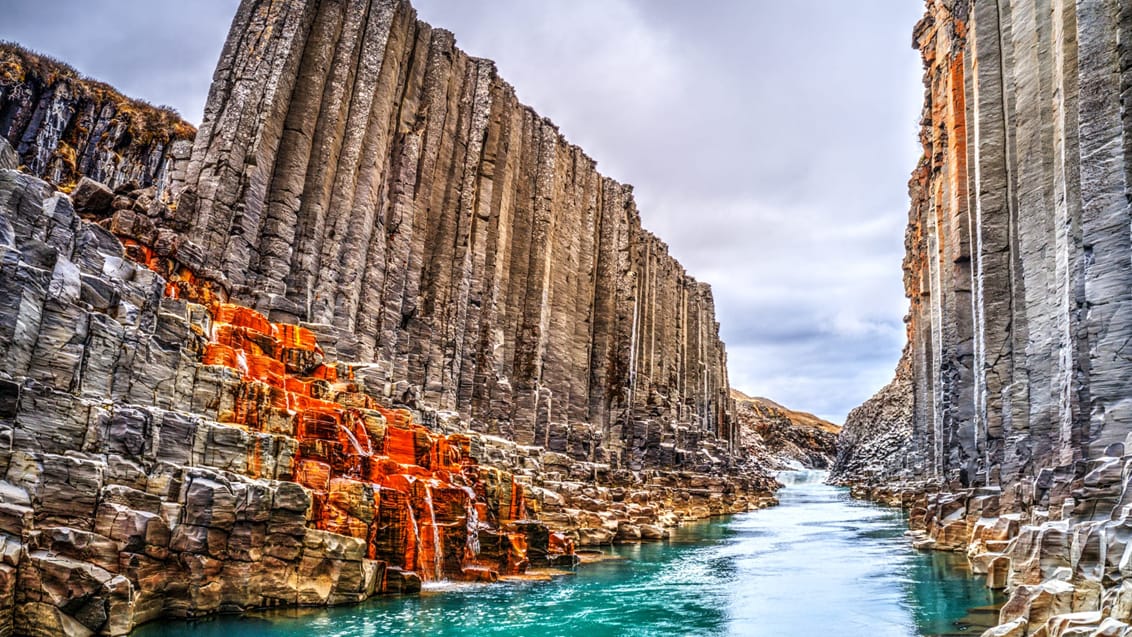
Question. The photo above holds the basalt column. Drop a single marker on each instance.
(357, 172)
(1019, 272)
(1019, 262)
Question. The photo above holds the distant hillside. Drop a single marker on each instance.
(781, 437)
(799, 418)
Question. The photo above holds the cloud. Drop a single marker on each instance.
(769, 144)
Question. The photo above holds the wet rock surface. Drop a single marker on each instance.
(1017, 269)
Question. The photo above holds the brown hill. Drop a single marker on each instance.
(781, 437)
(799, 418)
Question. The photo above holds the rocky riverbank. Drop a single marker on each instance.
(1064, 567)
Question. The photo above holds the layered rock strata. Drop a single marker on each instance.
(64, 126)
(1018, 271)
(355, 169)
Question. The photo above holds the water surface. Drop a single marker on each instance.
(818, 564)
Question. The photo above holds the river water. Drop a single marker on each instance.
(818, 564)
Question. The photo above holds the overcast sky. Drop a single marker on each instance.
(769, 143)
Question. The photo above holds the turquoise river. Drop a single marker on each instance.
(820, 563)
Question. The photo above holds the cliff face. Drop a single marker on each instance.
(167, 453)
(382, 324)
(1016, 270)
(1018, 247)
(64, 126)
(1019, 272)
(356, 170)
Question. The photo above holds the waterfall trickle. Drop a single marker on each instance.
(802, 476)
(354, 441)
(415, 563)
(438, 569)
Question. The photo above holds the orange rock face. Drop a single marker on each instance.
(418, 498)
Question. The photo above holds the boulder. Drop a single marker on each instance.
(91, 198)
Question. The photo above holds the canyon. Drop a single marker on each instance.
(375, 322)
(378, 323)
(1006, 430)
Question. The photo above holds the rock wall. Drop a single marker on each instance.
(64, 126)
(356, 170)
(1018, 265)
(874, 446)
(1019, 273)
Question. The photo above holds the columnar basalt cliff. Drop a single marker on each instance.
(381, 324)
(357, 170)
(1018, 271)
(1017, 265)
(64, 126)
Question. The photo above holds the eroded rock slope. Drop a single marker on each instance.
(874, 446)
(781, 438)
